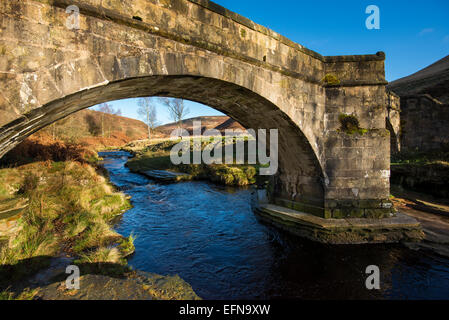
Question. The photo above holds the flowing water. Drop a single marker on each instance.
(210, 237)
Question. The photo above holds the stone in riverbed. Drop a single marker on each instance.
(166, 176)
(10, 213)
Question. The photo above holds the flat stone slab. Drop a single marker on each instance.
(10, 212)
(343, 231)
(166, 176)
(138, 286)
(11, 205)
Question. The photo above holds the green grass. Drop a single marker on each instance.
(126, 245)
(101, 255)
(417, 157)
(157, 157)
(27, 294)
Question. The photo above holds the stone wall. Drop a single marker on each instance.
(431, 178)
(358, 160)
(393, 120)
(424, 124)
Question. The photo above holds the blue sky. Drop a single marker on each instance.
(412, 33)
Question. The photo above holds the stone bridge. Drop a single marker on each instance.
(330, 110)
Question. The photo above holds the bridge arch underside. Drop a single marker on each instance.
(299, 177)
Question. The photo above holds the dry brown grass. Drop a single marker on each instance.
(71, 205)
(42, 147)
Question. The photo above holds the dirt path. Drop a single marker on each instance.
(432, 213)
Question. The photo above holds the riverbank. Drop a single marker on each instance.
(209, 235)
(161, 223)
(69, 211)
(420, 189)
(52, 210)
(431, 212)
(156, 156)
(422, 172)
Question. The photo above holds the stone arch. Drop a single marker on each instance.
(300, 175)
(46, 66)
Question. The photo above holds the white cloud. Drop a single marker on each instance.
(426, 31)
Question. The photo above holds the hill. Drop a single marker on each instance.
(433, 80)
(229, 124)
(207, 122)
(96, 129)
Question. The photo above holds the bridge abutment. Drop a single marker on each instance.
(356, 143)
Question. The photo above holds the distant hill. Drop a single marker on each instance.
(76, 137)
(230, 124)
(207, 122)
(97, 129)
(433, 80)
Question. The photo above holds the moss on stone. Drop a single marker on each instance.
(349, 124)
(331, 79)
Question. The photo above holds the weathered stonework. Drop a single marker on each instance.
(393, 120)
(10, 214)
(430, 178)
(200, 51)
(424, 124)
(343, 231)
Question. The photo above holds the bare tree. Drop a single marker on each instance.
(107, 108)
(177, 109)
(147, 111)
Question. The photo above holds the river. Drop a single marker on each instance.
(210, 237)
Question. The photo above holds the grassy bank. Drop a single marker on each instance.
(156, 156)
(55, 201)
(70, 210)
(56, 204)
